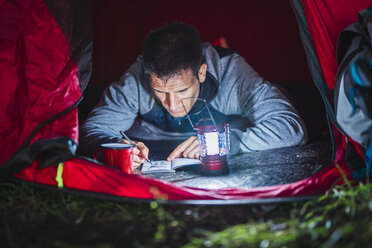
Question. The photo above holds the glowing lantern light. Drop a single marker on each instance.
(211, 142)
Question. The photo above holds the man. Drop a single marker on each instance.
(146, 102)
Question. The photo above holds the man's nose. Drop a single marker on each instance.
(173, 102)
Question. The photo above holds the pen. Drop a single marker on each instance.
(130, 141)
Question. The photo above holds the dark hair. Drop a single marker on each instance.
(172, 48)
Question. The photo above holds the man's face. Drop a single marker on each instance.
(171, 91)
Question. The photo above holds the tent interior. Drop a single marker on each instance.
(265, 33)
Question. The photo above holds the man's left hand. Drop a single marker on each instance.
(188, 149)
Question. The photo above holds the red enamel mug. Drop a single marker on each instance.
(117, 154)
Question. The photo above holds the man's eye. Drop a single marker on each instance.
(183, 90)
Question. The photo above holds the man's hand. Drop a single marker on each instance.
(188, 149)
(140, 154)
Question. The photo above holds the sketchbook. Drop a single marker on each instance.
(165, 166)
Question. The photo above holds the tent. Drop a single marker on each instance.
(46, 63)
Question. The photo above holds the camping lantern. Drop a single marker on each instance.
(214, 144)
(214, 147)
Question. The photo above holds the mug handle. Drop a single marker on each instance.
(96, 153)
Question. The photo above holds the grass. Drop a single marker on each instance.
(329, 221)
(33, 217)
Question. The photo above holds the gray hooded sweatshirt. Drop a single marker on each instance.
(260, 116)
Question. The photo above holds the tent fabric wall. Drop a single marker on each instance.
(38, 79)
(41, 90)
(326, 19)
(324, 22)
(74, 20)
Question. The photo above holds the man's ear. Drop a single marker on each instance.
(202, 73)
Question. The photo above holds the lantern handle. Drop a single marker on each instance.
(206, 105)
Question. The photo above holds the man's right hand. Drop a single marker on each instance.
(140, 153)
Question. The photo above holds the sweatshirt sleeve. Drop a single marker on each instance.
(272, 121)
(115, 112)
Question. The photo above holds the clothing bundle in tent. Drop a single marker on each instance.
(45, 53)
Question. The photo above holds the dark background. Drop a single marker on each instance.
(264, 32)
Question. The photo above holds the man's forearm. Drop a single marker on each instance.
(270, 134)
